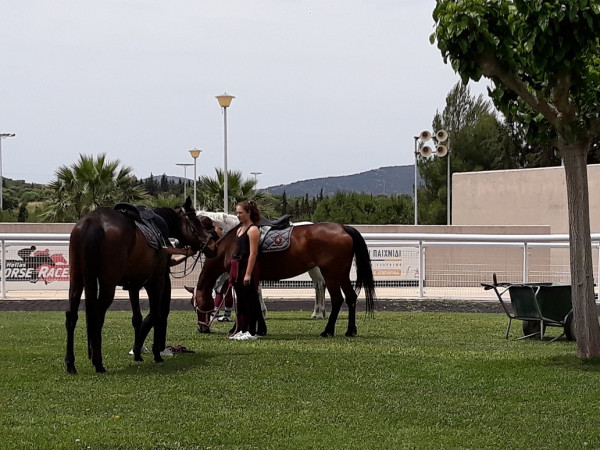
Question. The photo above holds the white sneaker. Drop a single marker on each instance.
(236, 336)
(144, 350)
(166, 352)
(246, 336)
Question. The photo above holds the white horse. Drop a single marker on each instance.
(228, 221)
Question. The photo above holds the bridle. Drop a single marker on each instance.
(207, 313)
(192, 227)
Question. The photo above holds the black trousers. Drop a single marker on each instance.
(248, 315)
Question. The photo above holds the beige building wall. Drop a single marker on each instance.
(520, 197)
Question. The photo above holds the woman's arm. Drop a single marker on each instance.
(253, 236)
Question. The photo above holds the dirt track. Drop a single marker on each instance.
(275, 305)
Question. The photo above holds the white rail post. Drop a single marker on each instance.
(421, 268)
(525, 263)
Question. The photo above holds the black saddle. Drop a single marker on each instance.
(147, 218)
(277, 224)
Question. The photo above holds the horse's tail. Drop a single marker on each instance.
(91, 238)
(364, 272)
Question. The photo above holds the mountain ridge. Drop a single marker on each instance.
(390, 180)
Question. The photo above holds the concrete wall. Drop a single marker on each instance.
(519, 197)
(18, 227)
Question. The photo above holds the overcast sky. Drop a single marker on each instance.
(322, 88)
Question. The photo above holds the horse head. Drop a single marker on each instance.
(192, 232)
(202, 296)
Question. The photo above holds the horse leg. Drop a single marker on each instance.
(319, 284)
(136, 322)
(319, 310)
(337, 299)
(95, 314)
(159, 296)
(71, 317)
(160, 328)
(351, 298)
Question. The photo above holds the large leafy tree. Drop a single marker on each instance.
(88, 184)
(544, 62)
(475, 144)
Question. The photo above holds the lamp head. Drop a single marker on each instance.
(195, 153)
(225, 100)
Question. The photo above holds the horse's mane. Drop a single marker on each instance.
(169, 215)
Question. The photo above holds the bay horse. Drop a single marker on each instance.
(224, 222)
(329, 246)
(106, 250)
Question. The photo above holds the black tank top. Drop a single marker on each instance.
(242, 250)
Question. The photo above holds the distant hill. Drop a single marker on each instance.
(385, 180)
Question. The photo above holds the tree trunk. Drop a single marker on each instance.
(587, 329)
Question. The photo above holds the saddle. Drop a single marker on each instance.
(275, 234)
(153, 227)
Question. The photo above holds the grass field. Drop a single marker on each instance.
(409, 380)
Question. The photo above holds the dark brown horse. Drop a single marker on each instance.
(329, 246)
(108, 250)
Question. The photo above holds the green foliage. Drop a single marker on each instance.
(211, 192)
(409, 380)
(23, 213)
(365, 209)
(544, 60)
(475, 144)
(88, 184)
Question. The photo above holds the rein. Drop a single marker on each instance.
(186, 271)
(216, 313)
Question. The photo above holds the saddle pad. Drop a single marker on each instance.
(150, 235)
(275, 240)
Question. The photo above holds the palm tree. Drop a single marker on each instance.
(88, 184)
(211, 190)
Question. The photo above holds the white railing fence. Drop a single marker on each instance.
(405, 265)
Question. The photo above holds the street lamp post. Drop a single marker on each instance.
(256, 174)
(440, 150)
(2, 136)
(195, 153)
(185, 180)
(224, 102)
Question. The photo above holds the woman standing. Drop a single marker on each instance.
(244, 273)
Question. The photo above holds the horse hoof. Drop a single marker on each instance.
(326, 334)
(351, 333)
(158, 359)
(100, 369)
(203, 329)
(138, 358)
(71, 370)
